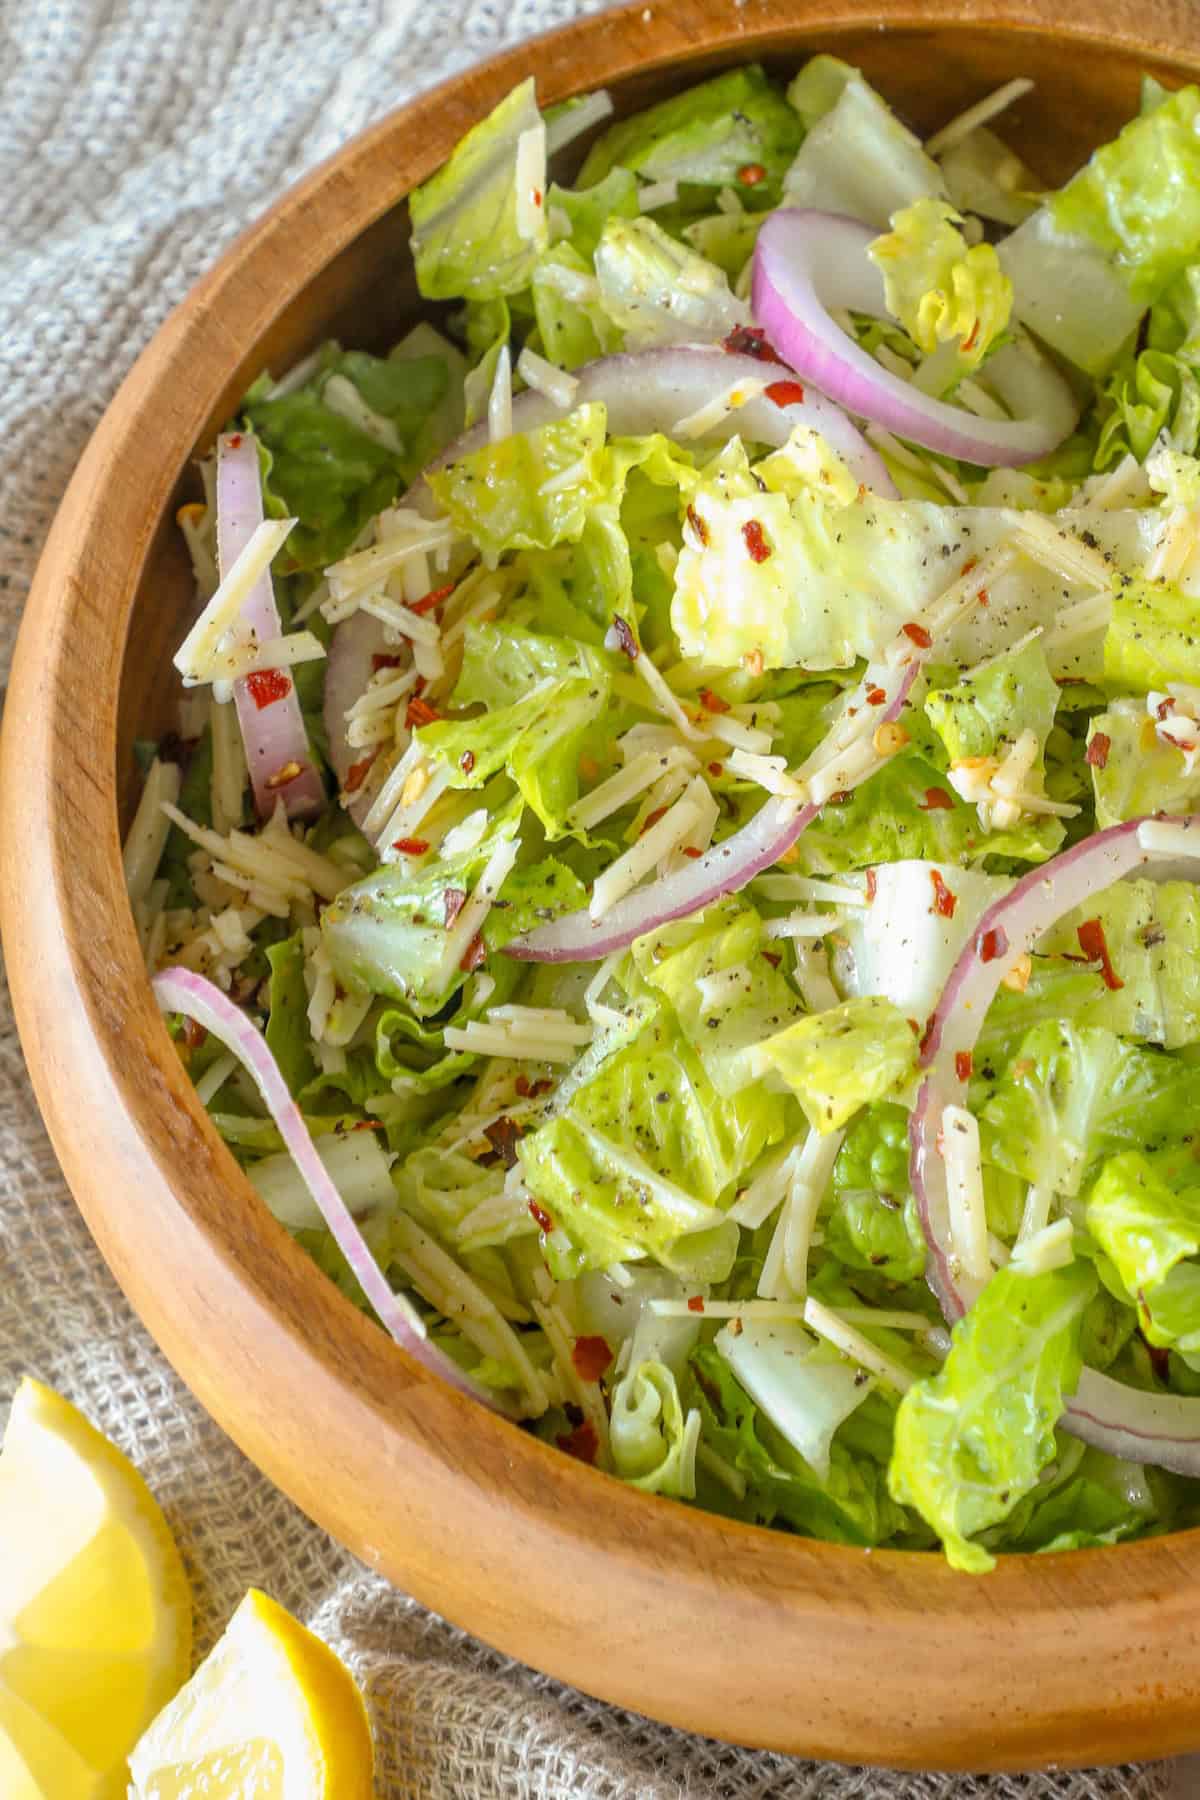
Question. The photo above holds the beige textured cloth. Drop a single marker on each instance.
(136, 138)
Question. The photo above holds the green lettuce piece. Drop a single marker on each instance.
(1153, 635)
(851, 1505)
(288, 1037)
(726, 1028)
(1149, 397)
(705, 136)
(656, 290)
(328, 472)
(488, 327)
(871, 1222)
(836, 1061)
(1075, 1093)
(643, 1154)
(973, 1439)
(857, 157)
(653, 1444)
(467, 240)
(1152, 931)
(1136, 772)
(505, 496)
(984, 176)
(543, 696)
(1093, 1499)
(573, 331)
(587, 210)
(726, 239)
(1150, 1232)
(1087, 264)
(989, 707)
(939, 290)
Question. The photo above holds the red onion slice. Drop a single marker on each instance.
(652, 390)
(1158, 1428)
(273, 732)
(723, 869)
(349, 666)
(807, 262)
(180, 990)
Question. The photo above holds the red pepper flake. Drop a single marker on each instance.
(963, 1064)
(756, 544)
(473, 956)
(356, 774)
(282, 777)
(626, 642)
(841, 798)
(991, 944)
(786, 393)
(983, 597)
(917, 634)
(944, 901)
(453, 901)
(696, 1303)
(652, 818)
(713, 702)
(502, 1135)
(972, 562)
(1094, 945)
(591, 1356)
(433, 598)
(969, 341)
(1096, 754)
(420, 713)
(1164, 707)
(266, 686)
(937, 800)
(872, 886)
(466, 761)
(411, 846)
(691, 850)
(876, 696)
(541, 1216)
(537, 196)
(751, 340)
(716, 769)
(192, 1034)
(582, 1443)
(750, 174)
(926, 1040)
(773, 957)
(697, 524)
(522, 1086)
(383, 659)
(235, 440)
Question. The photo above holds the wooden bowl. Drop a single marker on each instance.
(737, 1632)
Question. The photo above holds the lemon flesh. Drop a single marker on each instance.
(95, 1614)
(271, 1713)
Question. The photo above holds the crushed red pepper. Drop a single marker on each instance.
(453, 901)
(944, 902)
(1094, 945)
(433, 598)
(266, 686)
(786, 393)
(625, 639)
(917, 634)
(937, 800)
(582, 1443)
(697, 524)
(992, 944)
(383, 659)
(466, 761)
(696, 1303)
(356, 774)
(591, 1357)
(755, 542)
(473, 956)
(411, 846)
(751, 340)
(541, 1217)
(419, 713)
(502, 1134)
(876, 696)
(963, 1064)
(750, 174)
(872, 886)
(1096, 754)
(713, 702)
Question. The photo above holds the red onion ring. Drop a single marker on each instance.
(725, 868)
(179, 990)
(1163, 1429)
(652, 390)
(348, 668)
(274, 734)
(807, 262)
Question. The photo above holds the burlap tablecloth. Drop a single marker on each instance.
(136, 138)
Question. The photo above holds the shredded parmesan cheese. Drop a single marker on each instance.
(671, 831)
(198, 649)
(721, 407)
(851, 1343)
(147, 835)
(499, 412)
(546, 378)
(785, 1266)
(981, 113)
(1052, 1247)
(964, 1187)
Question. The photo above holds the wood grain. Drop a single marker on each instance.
(740, 1633)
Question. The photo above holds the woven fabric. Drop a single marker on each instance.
(136, 138)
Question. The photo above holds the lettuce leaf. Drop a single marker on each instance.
(871, 1223)
(805, 1388)
(973, 1439)
(857, 157)
(656, 290)
(288, 1037)
(1136, 772)
(705, 136)
(653, 1444)
(532, 490)
(1151, 1233)
(1153, 635)
(939, 290)
(1074, 1093)
(836, 1061)
(1152, 931)
(987, 708)
(466, 241)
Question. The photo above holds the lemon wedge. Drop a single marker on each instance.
(95, 1614)
(270, 1713)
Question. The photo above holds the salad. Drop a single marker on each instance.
(677, 874)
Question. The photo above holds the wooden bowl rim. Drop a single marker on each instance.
(64, 851)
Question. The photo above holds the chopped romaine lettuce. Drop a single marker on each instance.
(939, 290)
(857, 158)
(1153, 636)
(653, 1443)
(1133, 770)
(656, 290)
(837, 1061)
(529, 491)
